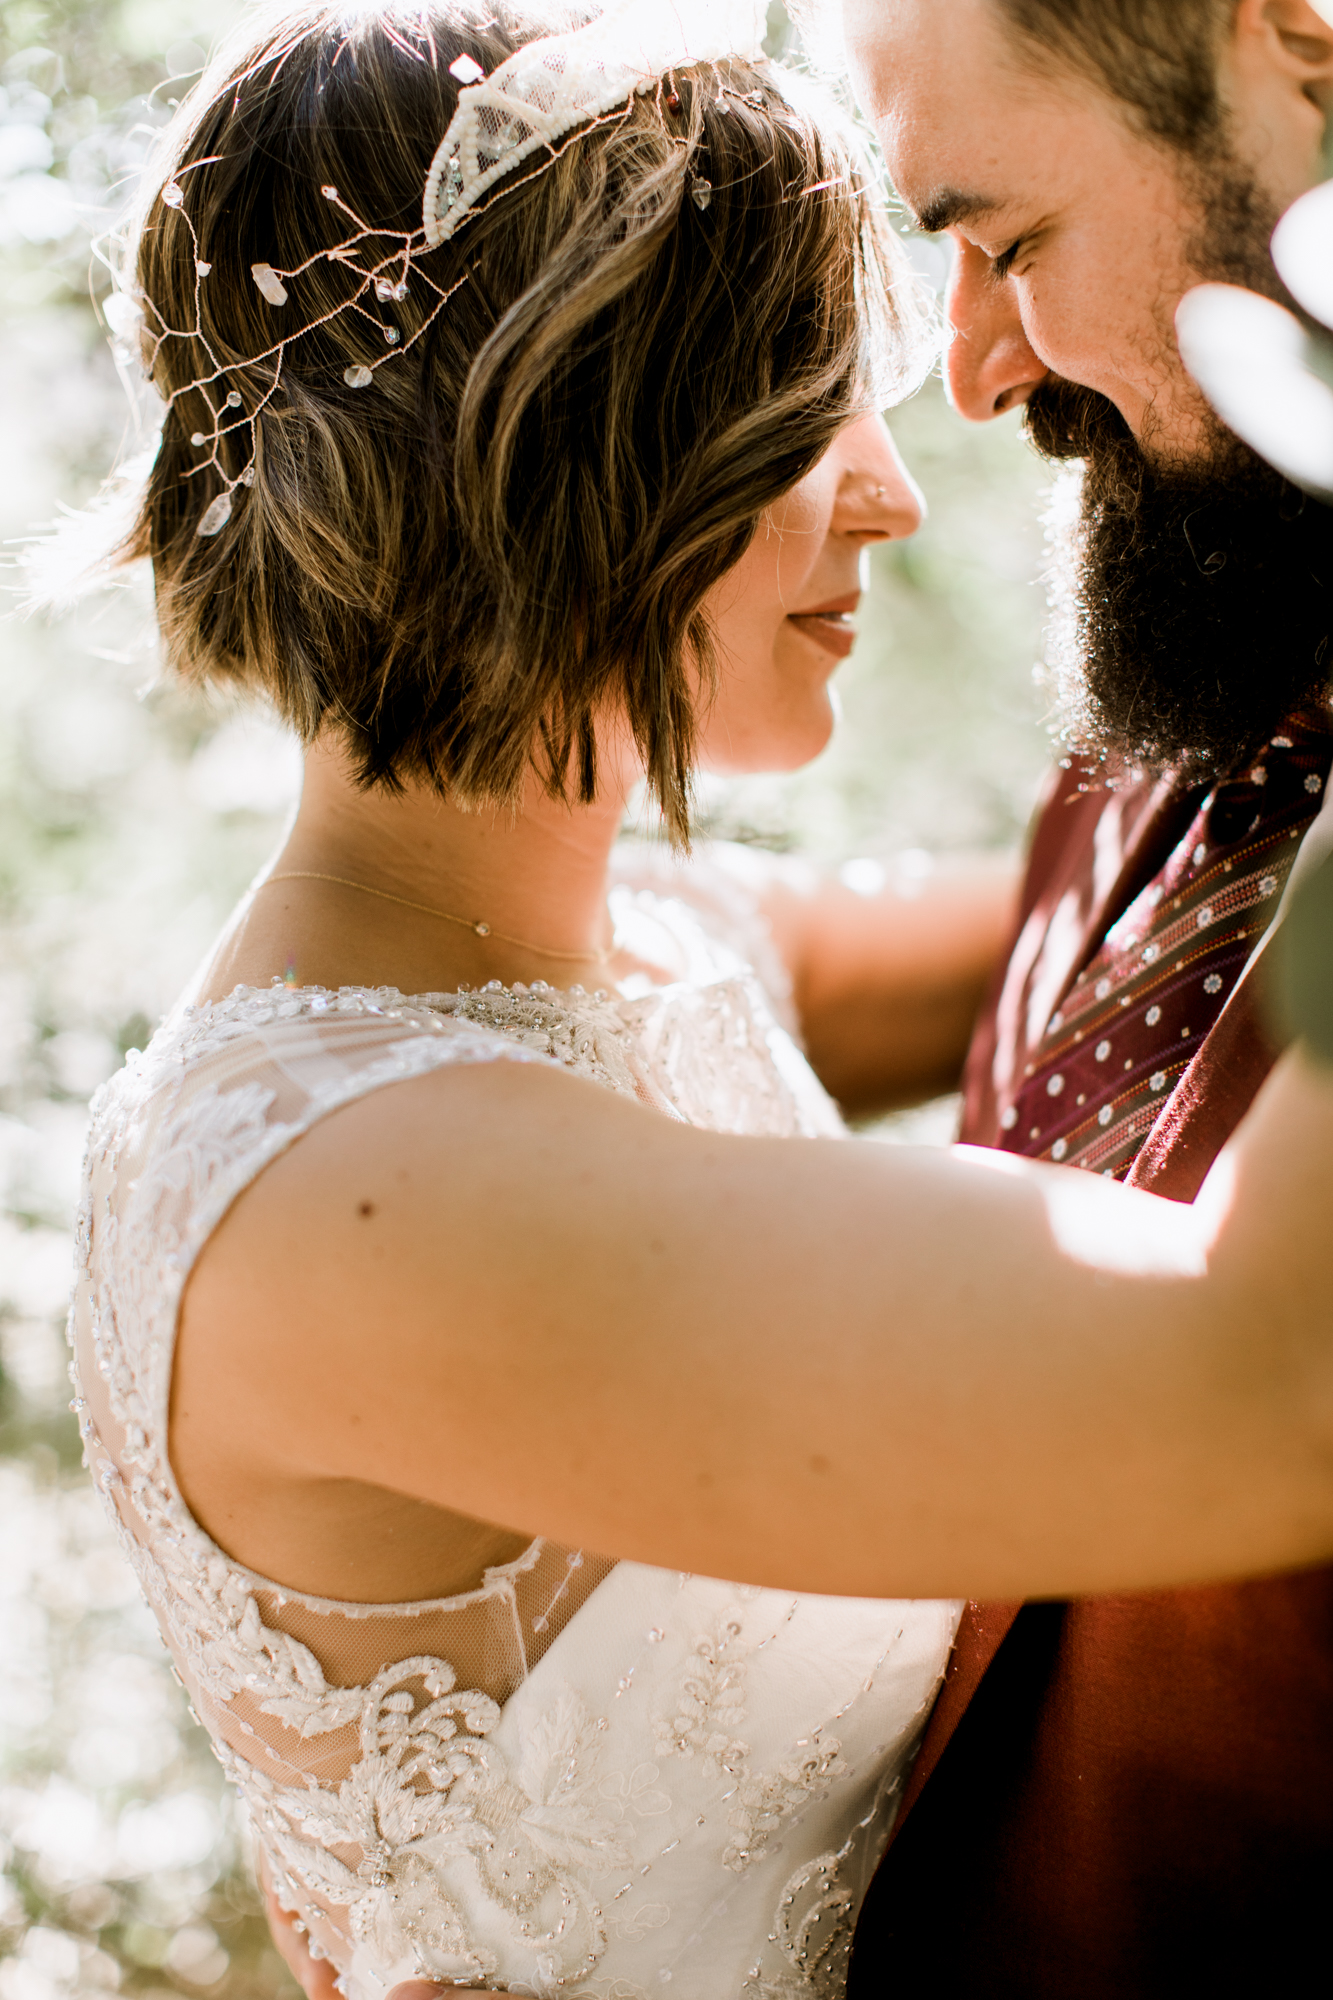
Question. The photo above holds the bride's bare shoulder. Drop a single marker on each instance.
(398, 1175)
(333, 1288)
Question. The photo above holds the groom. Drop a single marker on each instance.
(1132, 1795)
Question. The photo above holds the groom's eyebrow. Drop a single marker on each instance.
(951, 206)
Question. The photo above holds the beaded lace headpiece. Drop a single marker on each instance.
(537, 102)
(563, 83)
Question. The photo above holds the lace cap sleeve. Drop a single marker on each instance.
(722, 887)
(186, 1126)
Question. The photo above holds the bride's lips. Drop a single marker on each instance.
(829, 625)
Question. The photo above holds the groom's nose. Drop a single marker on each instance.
(989, 366)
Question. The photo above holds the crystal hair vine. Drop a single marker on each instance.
(388, 279)
(537, 101)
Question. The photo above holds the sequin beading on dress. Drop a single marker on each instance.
(584, 1777)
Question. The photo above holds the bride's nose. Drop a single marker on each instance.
(878, 500)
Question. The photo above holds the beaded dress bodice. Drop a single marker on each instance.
(583, 1776)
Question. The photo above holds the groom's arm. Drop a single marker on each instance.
(890, 963)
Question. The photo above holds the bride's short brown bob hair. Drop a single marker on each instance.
(460, 567)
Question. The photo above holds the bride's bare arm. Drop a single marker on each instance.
(889, 967)
(848, 1368)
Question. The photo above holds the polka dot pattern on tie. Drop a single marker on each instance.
(1137, 1014)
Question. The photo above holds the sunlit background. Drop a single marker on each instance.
(130, 818)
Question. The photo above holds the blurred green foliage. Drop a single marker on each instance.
(1300, 962)
(130, 818)
(84, 84)
(122, 1862)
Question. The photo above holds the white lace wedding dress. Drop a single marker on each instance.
(584, 1776)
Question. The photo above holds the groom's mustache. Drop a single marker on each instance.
(1199, 599)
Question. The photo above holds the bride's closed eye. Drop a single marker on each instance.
(1002, 265)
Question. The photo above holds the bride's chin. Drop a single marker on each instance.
(789, 746)
(814, 744)
(815, 735)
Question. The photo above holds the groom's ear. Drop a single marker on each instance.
(1277, 78)
(1295, 34)
(1307, 21)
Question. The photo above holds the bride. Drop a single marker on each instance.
(450, 1317)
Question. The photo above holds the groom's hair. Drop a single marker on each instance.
(1158, 57)
(459, 569)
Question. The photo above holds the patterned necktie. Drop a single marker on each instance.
(1140, 1010)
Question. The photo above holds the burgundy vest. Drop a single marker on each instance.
(1120, 1796)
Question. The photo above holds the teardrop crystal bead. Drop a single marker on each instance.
(269, 283)
(215, 516)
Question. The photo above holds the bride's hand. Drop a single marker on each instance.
(315, 1976)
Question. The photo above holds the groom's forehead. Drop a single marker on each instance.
(935, 81)
(967, 125)
(928, 58)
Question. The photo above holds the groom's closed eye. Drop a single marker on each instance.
(954, 208)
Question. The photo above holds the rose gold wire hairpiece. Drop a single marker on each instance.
(594, 76)
(389, 277)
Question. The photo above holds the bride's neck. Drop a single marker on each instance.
(538, 874)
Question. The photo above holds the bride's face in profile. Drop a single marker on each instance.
(782, 618)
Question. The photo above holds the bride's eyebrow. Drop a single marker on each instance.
(952, 206)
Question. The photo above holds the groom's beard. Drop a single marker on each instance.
(1198, 600)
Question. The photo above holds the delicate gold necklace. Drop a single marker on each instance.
(596, 955)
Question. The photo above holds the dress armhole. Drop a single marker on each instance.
(176, 1138)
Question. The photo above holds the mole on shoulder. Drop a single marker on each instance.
(365, 1208)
